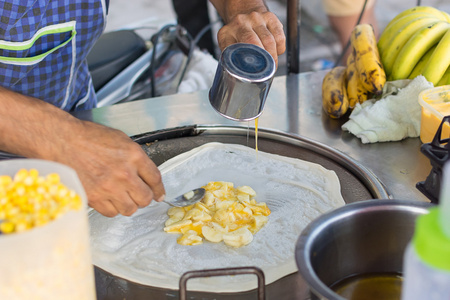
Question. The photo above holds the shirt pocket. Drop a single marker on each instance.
(41, 66)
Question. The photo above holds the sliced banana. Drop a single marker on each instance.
(259, 222)
(218, 227)
(212, 234)
(196, 215)
(190, 238)
(223, 204)
(188, 195)
(221, 216)
(209, 199)
(238, 238)
(248, 211)
(247, 190)
(201, 207)
(177, 226)
(243, 197)
(175, 211)
(172, 220)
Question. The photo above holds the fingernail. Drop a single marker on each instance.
(160, 199)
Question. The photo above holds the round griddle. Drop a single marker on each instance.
(357, 184)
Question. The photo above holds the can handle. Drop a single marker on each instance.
(223, 272)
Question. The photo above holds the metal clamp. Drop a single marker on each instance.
(438, 152)
(223, 272)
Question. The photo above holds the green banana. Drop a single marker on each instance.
(446, 15)
(416, 47)
(439, 60)
(418, 69)
(416, 9)
(445, 79)
(389, 55)
(396, 28)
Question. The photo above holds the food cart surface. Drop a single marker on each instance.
(293, 106)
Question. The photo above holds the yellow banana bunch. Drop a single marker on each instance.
(334, 93)
(408, 46)
(439, 61)
(355, 91)
(421, 9)
(416, 47)
(401, 24)
(396, 43)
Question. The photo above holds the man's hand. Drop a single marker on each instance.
(116, 173)
(250, 22)
(261, 29)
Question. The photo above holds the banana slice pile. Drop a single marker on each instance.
(226, 214)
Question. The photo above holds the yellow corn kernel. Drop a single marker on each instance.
(7, 227)
(5, 180)
(20, 189)
(52, 178)
(33, 173)
(28, 200)
(20, 175)
(21, 225)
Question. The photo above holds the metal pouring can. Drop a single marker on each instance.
(242, 81)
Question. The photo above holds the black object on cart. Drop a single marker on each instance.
(438, 151)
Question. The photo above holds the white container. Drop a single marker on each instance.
(427, 257)
(52, 261)
(422, 281)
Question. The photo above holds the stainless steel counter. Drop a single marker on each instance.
(294, 105)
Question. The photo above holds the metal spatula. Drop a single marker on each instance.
(187, 199)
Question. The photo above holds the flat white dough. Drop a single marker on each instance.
(137, 249)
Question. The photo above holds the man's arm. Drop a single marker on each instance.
(116, 173)
(250, 21)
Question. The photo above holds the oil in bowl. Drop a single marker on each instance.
(370, 286)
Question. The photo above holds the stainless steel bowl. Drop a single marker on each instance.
(242, 81)
(364, 237)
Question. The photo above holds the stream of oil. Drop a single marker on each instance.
(256, 135)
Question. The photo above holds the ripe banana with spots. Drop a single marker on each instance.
(416, 47)
(355, 91)
(367, 59)
(439, 61)
(334, 93)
